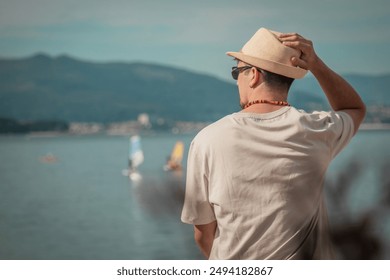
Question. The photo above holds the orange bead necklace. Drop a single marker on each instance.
(273, 102)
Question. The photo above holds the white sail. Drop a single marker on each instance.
(136, 156)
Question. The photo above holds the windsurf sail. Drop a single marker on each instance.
(136, 156)
(176, 157)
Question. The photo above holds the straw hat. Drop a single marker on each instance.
(264, 50)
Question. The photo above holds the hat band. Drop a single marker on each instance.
(271, 66)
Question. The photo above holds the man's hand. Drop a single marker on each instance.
(341, 95)
(308, 59)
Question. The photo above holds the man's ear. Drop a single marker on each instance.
(256, 79)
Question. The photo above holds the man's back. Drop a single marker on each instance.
(255, 178)
(262, 175)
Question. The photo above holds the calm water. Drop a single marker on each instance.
(81, 207)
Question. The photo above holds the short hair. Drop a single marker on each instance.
(273, 79)
(276, 80)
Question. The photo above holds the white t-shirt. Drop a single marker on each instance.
(260, 176)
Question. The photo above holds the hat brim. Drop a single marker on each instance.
(271, 66)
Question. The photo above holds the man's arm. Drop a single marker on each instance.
(340, 94)
(204, 237)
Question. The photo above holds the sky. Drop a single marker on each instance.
(351, 36)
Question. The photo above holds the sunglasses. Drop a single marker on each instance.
(237, 70)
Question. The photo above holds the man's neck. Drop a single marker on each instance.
(261, 100)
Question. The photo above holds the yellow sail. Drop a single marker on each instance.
(177, 152)
(174, 161)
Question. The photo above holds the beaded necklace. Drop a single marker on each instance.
(273, 102)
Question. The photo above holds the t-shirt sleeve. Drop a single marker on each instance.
(197, 209)
(341, 131)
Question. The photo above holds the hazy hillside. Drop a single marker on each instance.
(62, 88)
(373, 89)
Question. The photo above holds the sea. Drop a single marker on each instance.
(65, 198)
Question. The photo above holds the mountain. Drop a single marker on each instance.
(63, 88)
(372, 89)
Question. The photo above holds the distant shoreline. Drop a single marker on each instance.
(193, 130)
(374, 126)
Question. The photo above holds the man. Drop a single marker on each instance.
(255, 178)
